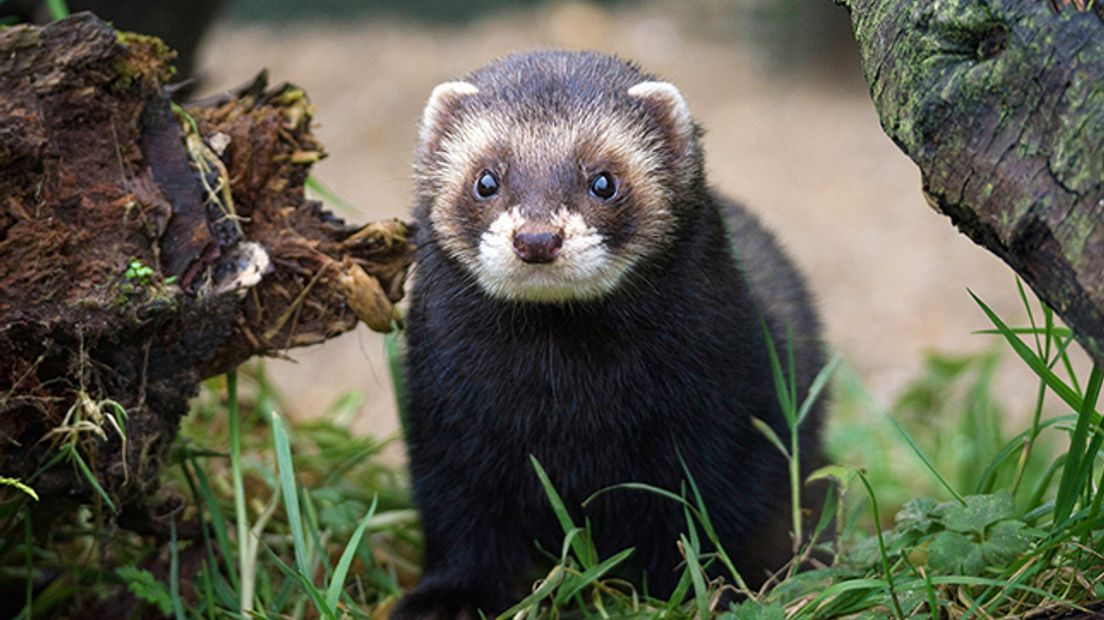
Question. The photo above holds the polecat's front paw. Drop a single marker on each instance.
(437, 603)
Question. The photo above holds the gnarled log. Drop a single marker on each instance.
(1001, 104)
(144, 247)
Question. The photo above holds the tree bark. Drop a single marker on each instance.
(1001, 105)
(145, 247)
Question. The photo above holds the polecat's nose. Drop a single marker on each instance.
(538, 246)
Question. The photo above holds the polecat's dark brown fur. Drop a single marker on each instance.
(584, 297)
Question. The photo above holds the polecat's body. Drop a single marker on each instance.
(579, 298)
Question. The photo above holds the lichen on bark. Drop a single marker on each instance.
(1001, 105)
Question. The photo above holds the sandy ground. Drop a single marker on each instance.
(804, 150)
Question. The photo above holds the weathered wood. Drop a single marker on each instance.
(143, 248)
(1001, 105)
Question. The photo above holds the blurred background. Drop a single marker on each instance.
(791, 133)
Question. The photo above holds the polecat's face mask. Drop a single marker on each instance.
(554, 200)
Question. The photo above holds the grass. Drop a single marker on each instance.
(936, 511)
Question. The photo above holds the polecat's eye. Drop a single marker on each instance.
(486, 185)
(603, 186)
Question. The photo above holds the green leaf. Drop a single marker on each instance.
(751, 610)
(979, 512)
(771, 436)
(1007, 540)
(817, 386)
(842, 474)
(145, 586)
(917, 514)
(951, 553)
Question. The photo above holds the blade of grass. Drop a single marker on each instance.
(1025, 331)
(771, 436)
(393, 348)
(640, 486)
(791, 368)
(1074, 476)
(818, 609)
(91, 478)
(291, 494)
(929, 589)
(881, 546)
(532, 602)
(217, 520)
(925, 460)
(590, 576)
(781, 389)
(315, 537)
(1037, 365)
(328, 195)
(174, 572)
(211, 567)
(245, 600)
(58, 9)
(817, 386)
(583, 550)
(697, 578)
(828, 510)
(711, 533)
(989, 474)
(679, 595)
(1030, 316)
(333, 593)
(28, 543)
(963, 580)
(308, 587)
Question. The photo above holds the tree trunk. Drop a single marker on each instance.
(145, 247)
(1001, 104)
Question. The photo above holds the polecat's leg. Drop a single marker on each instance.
(468, 571)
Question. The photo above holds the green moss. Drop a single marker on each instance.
(1076, 161)
(147, 61)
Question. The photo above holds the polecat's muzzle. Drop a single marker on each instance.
(538, 246)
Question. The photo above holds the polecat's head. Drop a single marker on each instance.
(549, 176)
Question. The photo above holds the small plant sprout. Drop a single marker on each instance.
(16, 483)
(138, 272)
(91, 416)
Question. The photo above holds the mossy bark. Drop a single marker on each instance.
(1001, 105)
(145, 247)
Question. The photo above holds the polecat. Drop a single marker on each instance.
(582, 296)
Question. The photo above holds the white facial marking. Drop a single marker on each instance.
(443, 95)
(584, 268)
(670, 95)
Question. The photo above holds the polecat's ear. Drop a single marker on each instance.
(672, 109)
(442, 103)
